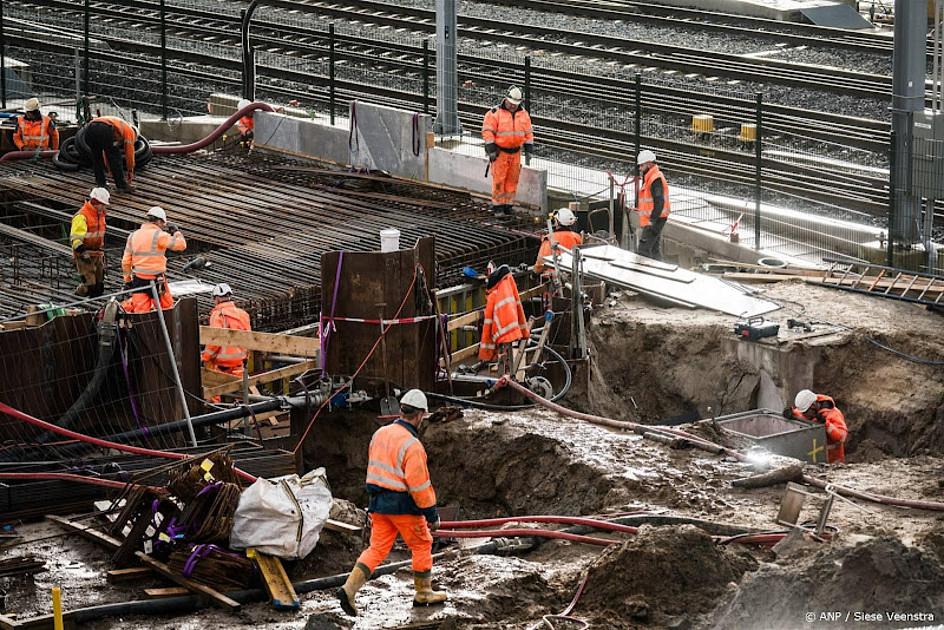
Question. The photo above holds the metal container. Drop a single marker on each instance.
(769, 430)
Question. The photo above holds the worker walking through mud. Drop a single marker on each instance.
(104, 136)
(87, 237)
(654, 205)
(34, 130)
(145, 261)
(505, 322)
(402, 501)
(813, 407)
(507, 130)
(225, 314)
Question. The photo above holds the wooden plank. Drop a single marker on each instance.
(465, 320)
(282, 594)
(212, 378)
(746, 276)
(276, 343)
(118, 576)
(167, 591)
(113, 543)
(465, 353)
(341, 526)
(264, 377)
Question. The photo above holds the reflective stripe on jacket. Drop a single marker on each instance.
(646, 202)
(506, 129)
(125, 137)
(566, 239)
(145, 252)
(397, 463)
(504, 318)
(88, 228)
(227, 315)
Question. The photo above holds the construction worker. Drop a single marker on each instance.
(505, 322)
(87, 238)
(505, 130)
(245, 124)
(564, 237)
(813, 407)
(225, 314)
(145, 261)
(34, 131)
(105, 136)
(654, 205)
(402, 501)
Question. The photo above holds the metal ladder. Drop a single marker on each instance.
(881, 281)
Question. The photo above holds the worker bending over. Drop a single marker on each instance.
(505, 322)
(564, 237)
(87, 237)
(105, 136)
(654, 205)
(402, 501)
(505, 130)
(35, 131)
(225, 314)
(819, 408)
(145, 261)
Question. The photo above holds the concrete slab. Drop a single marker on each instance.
(388, 139)
(301, 137)
(460, 170)
(784, 10)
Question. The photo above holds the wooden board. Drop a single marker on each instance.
(282, 594)
(118, 576)
(276, 343)
(167, 591)
(264, 377)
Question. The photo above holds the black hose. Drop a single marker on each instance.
(106, 351)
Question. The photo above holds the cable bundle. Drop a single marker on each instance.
(213, 566)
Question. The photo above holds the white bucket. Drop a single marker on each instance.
(389, 240)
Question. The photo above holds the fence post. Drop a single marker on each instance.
(426, 76)
(527, 95)
(331, 87)
(85, 61)
(892, 194)
(163, 10)
(758, 152)
(637, 117)
(3, 62)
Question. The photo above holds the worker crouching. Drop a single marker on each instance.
(813, 407)
(145, 262)
(402, 501)
(505, 322)
(87, 237)
(563, 237)
(225, 314)
(111, 140)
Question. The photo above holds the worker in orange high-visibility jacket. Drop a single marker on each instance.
(819, 408)
(246, 124)
(506, 130)
(111, 138)
(402, 501)
(564, 237)
(225, 314)
(505, 322)
(145, 261)
(654, 205)
(34, 130)
(87, 237)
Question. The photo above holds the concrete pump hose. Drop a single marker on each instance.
(935, 506)
(171, 149)
(25, 155)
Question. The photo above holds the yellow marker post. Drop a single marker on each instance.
(57, 608)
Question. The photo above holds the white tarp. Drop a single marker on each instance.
(282, 517)
(686, 288)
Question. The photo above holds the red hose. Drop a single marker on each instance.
(24, 155)
(566, 520)
(127, 448)
(518, 533)
(94, 481)
(168, 149)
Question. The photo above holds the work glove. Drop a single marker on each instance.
(788, 412)
(434, 525)
(172, 228)
(528, 150)
(491, 149)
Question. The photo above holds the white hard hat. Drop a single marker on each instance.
(646, 156)
(566, 216)
(31, 105)
(158, 213)
(222, 289)
(415, 398)
(243, 102)
(100, 195)
(804, 400)
(514, 95)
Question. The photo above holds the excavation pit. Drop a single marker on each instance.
(778, 435)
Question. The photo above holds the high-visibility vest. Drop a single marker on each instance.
(145, 252)
(396, 461)
(125, 136)
(567, 239)
(88, 228)
(35, 134)
(227, 315)
(507, 130)
(504, 318)
(646, 202)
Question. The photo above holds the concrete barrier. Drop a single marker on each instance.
(468, 172)
(300, 137)
(388, 139)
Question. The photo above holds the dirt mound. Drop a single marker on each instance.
(877, 576)
(659, 577)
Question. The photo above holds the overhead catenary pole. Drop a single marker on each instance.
(173, 362)
(332, 93)
(163, 12)
(3, 63)
(758, 163)
(447, 73)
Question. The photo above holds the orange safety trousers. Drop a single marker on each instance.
(506, 170)
(383, 533)
(144, 303)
